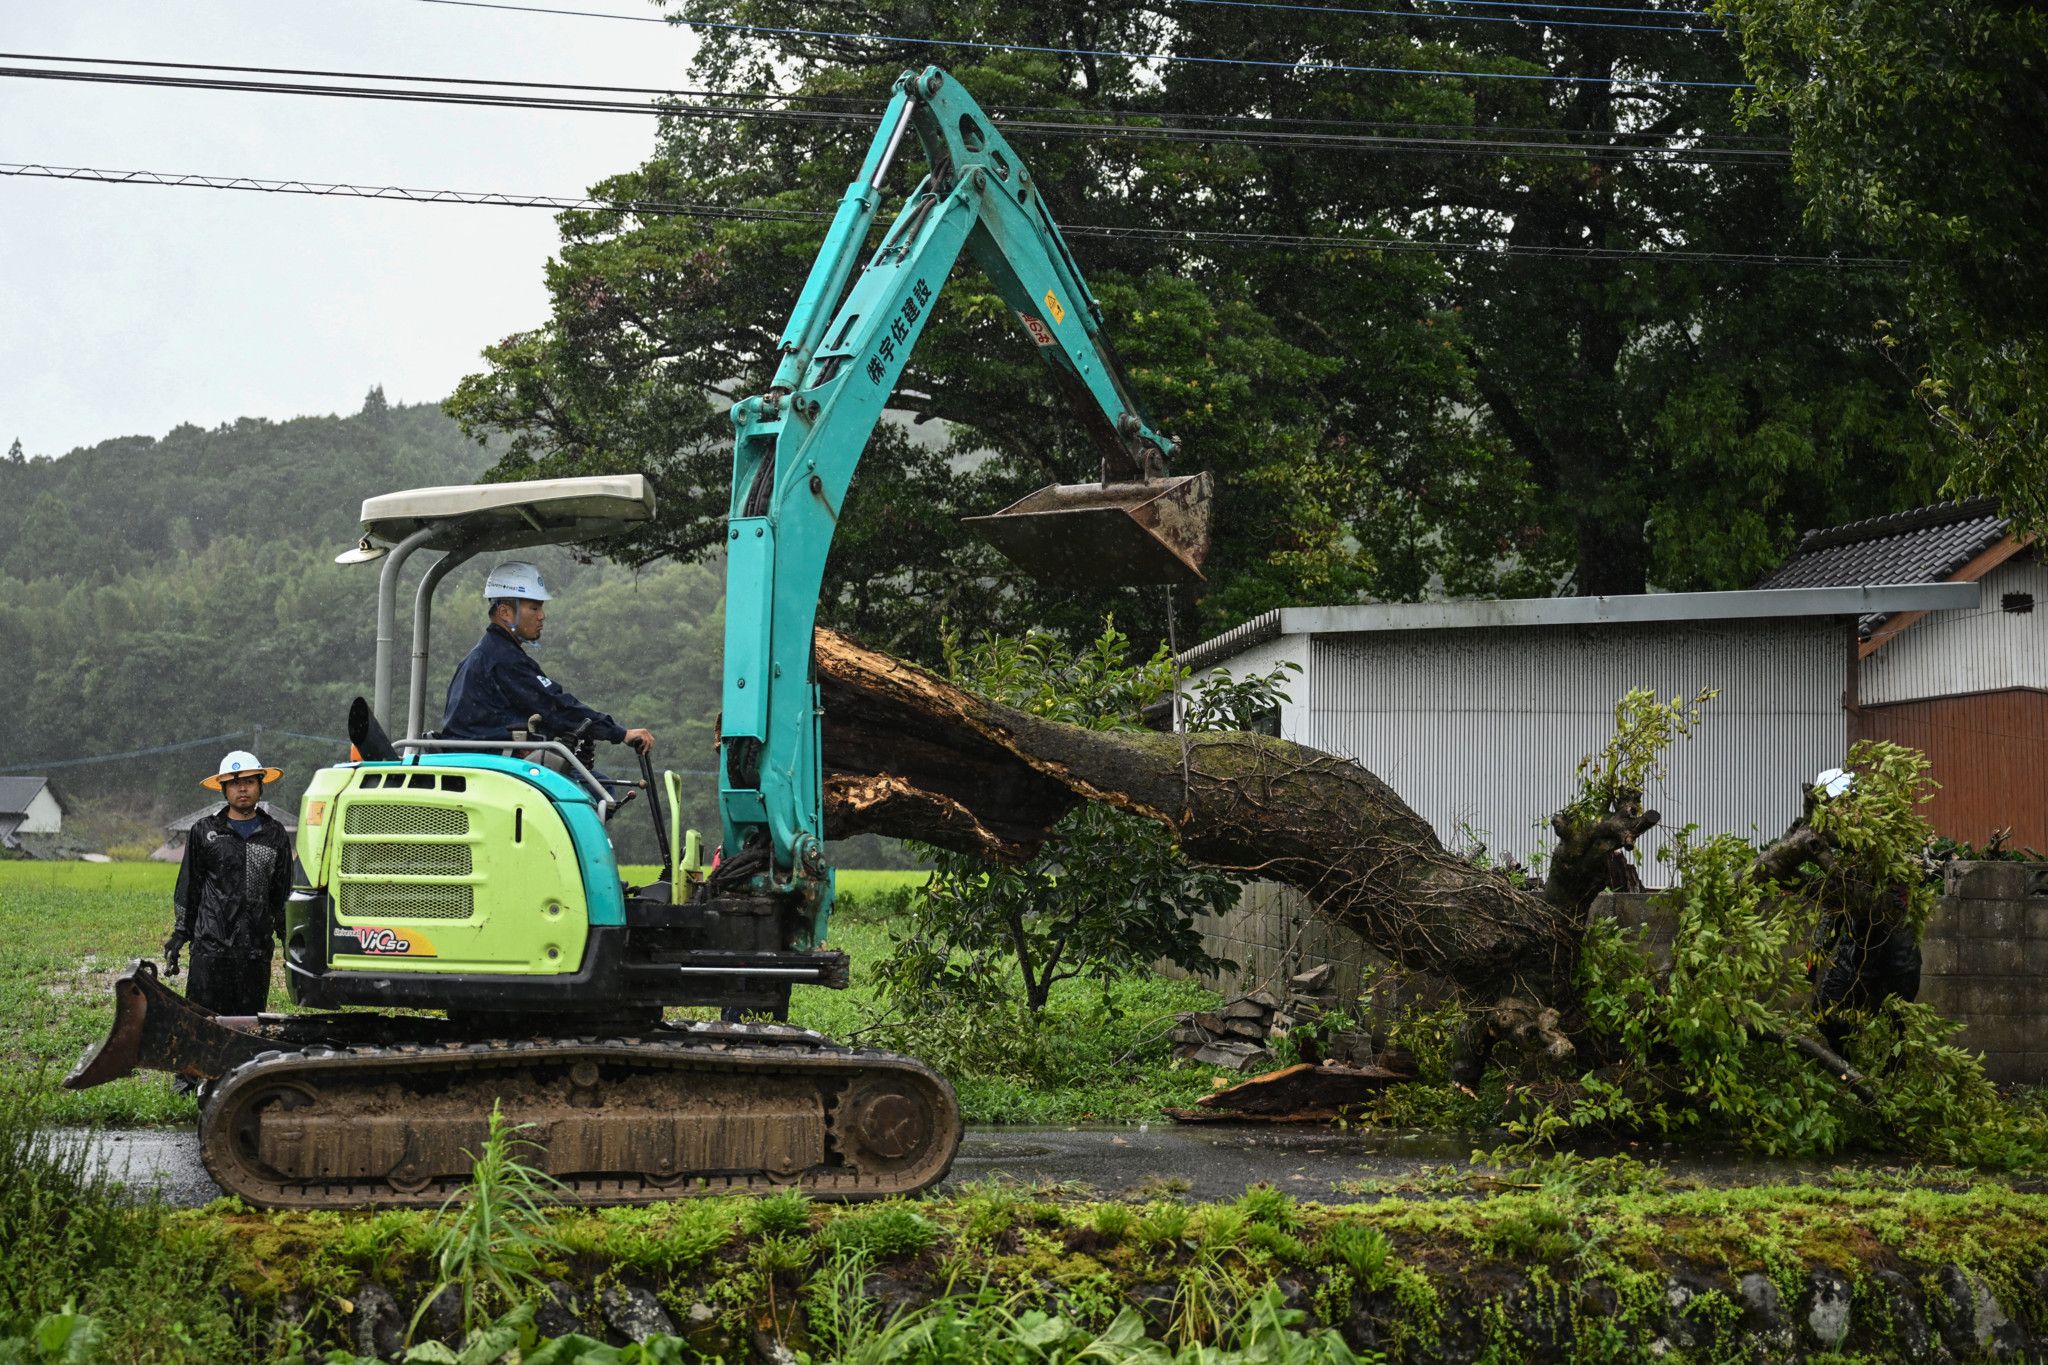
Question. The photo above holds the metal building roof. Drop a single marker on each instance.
(1925, 545)
(17, 792)
(1858, 600)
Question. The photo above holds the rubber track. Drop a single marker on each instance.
(761, 1049)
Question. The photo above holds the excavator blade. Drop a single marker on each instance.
(159, 1030)
(1090, 534)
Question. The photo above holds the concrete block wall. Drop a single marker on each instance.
(1984, 963)
(1984, 958)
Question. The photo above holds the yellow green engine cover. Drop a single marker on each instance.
(447, 867)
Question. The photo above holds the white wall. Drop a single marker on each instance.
(45, 816)
(1263, 658)
(1986, 649)
(1483, 728)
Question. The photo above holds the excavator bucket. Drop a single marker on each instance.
(1089, 534)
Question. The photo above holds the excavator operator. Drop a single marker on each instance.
(498, 687)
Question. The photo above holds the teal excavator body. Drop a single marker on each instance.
(474, 880)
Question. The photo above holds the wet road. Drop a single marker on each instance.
(1207, 1161)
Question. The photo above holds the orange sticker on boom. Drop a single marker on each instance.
(1052, 306)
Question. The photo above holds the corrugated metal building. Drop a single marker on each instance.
(1477, 713)
(1967, 686)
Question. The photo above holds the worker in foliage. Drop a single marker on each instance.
(1869, 947)
(232, 886)
(498, 687)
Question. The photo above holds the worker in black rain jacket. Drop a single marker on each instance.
(498, 687)
(232, 886)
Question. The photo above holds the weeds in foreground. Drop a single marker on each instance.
(491, 1237)
(978, 1328)
(981, 1328)
(88, 1273)
(59, 1338)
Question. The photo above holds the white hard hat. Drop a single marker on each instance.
(1833, 781)
(515, 578)
(240, 763)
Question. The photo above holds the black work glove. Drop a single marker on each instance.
(173, 946)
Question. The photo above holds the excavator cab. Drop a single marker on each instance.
(478, 875)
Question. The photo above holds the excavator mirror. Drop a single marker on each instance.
(1089, 534)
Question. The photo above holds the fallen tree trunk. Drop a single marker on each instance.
(911, 755)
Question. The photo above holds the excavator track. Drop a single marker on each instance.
(677, 1112)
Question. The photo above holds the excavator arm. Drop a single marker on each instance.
(797, 446)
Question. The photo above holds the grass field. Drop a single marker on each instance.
(67, 929)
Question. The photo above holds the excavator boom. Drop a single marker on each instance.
(797, 446)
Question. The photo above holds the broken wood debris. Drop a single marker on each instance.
(1239, 1033)
(1303, 1093)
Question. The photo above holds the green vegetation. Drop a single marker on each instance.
(491, 1239)
(1098, 1052)
(1373, 418)
(1915, 142)
(1706, 1043)
(131, 571)
(86, 1274)
(66, 930)
(1006, 1273)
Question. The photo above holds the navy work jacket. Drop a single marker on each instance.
(499, 686)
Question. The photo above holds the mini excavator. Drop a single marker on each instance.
(460, 938)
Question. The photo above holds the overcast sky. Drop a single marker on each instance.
(126, 310)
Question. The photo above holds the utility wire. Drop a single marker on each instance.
(217, 739)
(1170, 236)
(245, 731)
(1080, 117)
(1281, 138)
(1638, 10)
(1681, 28)
(1173, 58)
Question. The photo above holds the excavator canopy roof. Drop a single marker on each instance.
(484, 517)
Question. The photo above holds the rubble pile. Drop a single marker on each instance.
(1239, 1033)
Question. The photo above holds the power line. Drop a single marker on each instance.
(1481, 249)
(246, 730)
(1076, 115)
(1681, 28)
(1282, 138)
(1638, 10)
(1298, 67)
(1170, 236)
(402, 194)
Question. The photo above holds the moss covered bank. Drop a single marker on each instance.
(1548, 1273)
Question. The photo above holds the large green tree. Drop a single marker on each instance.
(1379, 421)
(1919, 127)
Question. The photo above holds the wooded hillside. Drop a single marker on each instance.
(154, 591)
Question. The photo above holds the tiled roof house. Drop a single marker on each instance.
(1969, 687)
